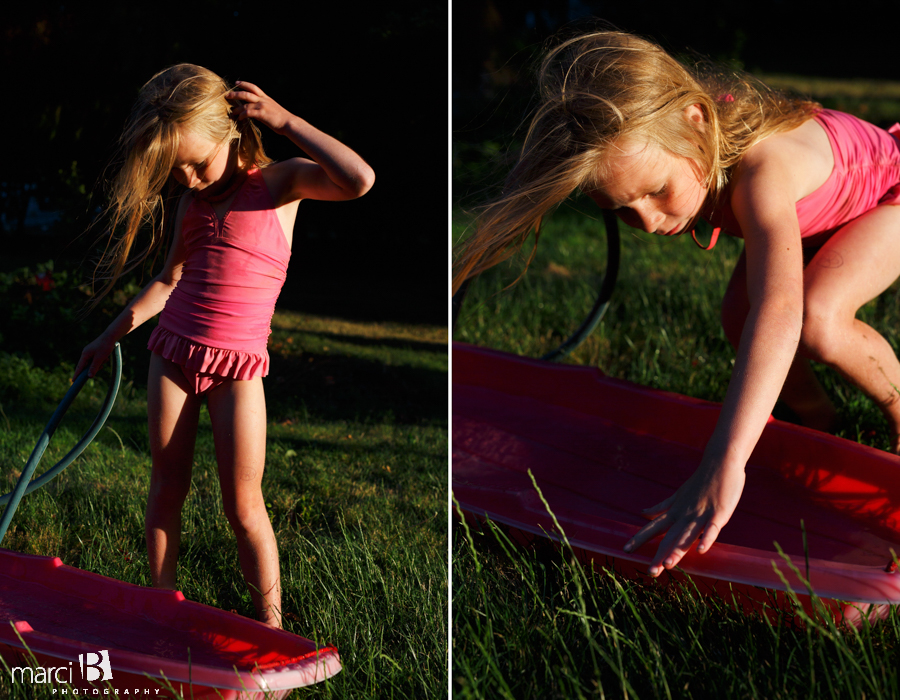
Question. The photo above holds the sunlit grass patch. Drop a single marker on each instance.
(355, 485)
(530, 622)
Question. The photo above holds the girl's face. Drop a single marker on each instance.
(201, 164)
(651, 189)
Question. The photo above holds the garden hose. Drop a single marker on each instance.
(603, 297)
(25, 484)
(600, 305)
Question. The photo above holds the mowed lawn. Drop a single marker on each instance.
(533, 622)
(355, 483)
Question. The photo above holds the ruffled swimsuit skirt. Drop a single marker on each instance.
(217, 321)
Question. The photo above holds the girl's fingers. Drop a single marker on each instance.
(248, 87)
(647, 533)
(673, 548)
(83, 362)
(242, 97)
(248, 92)
(710, 533)
(660, 507)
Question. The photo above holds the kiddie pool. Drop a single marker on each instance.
(56, 619)
(602, 449)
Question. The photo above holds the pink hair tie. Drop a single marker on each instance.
(726, 98)
(712, 239)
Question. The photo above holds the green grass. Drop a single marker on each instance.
(355, 484)
(531, 622)
(877, 101)
(662, 327)
(536, 623)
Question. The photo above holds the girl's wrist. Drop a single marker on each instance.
(109, 337)
(724, 457)
(292, 126)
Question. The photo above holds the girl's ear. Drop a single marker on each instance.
(695, 115)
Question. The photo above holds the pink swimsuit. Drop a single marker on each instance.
(866, 174)
(216, 322)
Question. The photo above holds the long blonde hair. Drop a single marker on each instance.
(183, 97)
(599, 87)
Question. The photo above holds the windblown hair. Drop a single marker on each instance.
(142, 193)
(598, 88)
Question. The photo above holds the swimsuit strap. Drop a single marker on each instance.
(712, 240)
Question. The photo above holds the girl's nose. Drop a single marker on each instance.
(190, 178)
(186, 177)
(650, 219)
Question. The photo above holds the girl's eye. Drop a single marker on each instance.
(661, 191)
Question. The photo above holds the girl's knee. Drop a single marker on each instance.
(171, 480)
(167, 494)
(246, 513)
(821, 329)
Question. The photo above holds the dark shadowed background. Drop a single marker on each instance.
(496, 42)
(374, 75)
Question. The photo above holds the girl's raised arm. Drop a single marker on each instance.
(335, 171)
(146, 304)
(763, 202)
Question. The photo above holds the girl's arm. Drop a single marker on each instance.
(146, 304)
(765, 208)
(335, 171)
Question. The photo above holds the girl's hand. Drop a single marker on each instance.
(334, 172)
(94, 355)
(254, 103)
(700, 508)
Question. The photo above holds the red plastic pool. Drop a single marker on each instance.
(61, 612)
(602, 449)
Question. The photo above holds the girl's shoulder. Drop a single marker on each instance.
(793, 163)
(279, 178)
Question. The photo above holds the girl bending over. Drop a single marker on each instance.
(812, 192)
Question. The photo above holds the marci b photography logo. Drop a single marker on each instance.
(95, 667)
(92, 667)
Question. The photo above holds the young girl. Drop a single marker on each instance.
(812, 192)
(231, 220)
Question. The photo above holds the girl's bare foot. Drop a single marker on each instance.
(271, 621)
(270, 615)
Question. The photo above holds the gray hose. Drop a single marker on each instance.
(25, 484)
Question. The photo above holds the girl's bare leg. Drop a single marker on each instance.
(238, 413)
(173, 413)
(804, 395)
(854, 266)
(801, 392)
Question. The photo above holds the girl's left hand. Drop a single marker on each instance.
(700, 508)
(254, 103)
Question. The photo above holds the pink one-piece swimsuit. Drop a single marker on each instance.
(866, 174)
(217, 321)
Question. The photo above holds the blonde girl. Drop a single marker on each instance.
(664, 145)
(193, 166)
